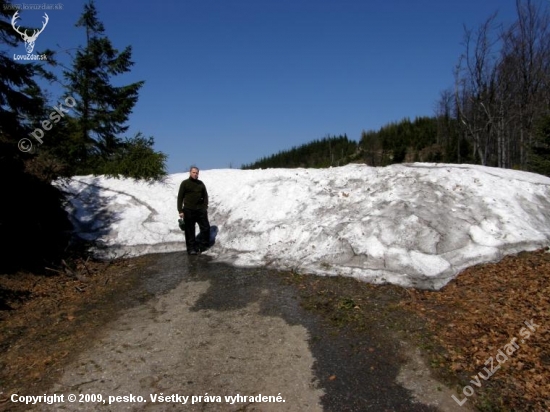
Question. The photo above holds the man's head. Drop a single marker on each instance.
(194, 172)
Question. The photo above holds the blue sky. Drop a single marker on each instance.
(230, 81)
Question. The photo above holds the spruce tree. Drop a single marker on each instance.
(102, 109)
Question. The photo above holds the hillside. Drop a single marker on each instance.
(329, 151)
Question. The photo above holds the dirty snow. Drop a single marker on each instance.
(414, 225)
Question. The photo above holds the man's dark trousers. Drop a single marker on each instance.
(200, 217)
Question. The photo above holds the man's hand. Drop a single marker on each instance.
(181, 215)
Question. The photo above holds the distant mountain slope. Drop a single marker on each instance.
(329, 151)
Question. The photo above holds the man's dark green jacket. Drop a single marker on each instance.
(192, 195)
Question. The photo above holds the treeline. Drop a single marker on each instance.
(329, 151)
(81, 132)
(404, 141)
(497, 113)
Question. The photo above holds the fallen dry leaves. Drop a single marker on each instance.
(483, 310)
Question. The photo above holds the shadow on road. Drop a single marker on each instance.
(357, 372)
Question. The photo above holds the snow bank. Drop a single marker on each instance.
(410, 224)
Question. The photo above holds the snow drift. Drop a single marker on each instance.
(411, 224)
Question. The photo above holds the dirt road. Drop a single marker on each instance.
(208, 337)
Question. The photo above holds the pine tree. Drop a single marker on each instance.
(102, 109)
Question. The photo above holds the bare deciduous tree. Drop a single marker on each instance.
(502, 86)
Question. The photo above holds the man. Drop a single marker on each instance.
(192, 207)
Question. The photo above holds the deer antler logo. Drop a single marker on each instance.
(29, 40)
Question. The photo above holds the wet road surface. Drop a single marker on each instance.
(202, 329)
